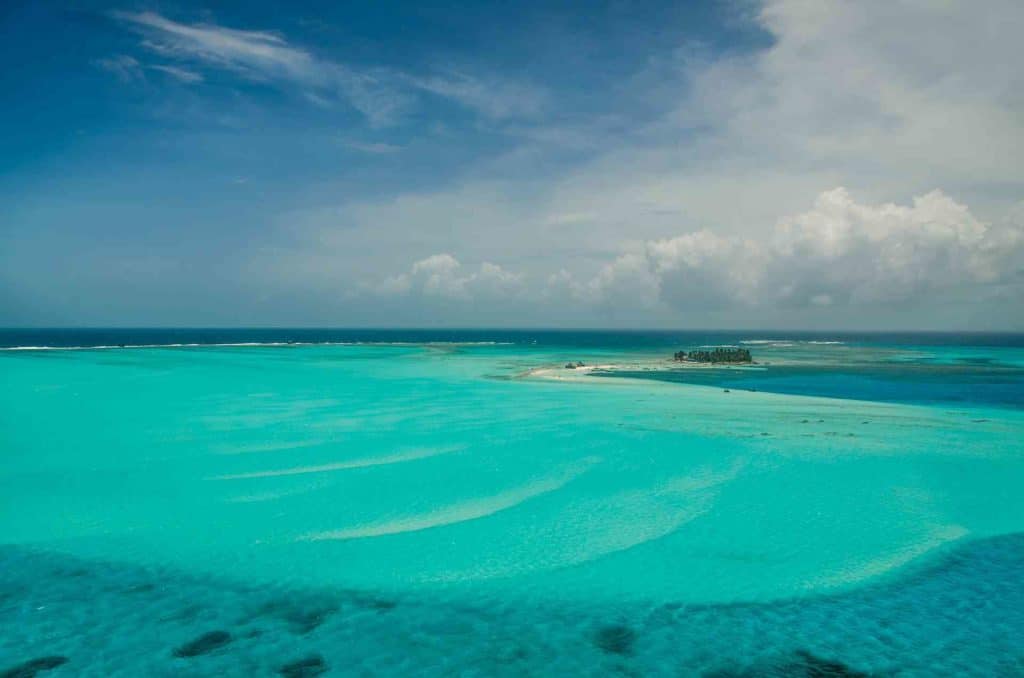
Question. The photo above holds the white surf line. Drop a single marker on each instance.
(269, 344)
(100, 347)
(462, 512)
(341, 465)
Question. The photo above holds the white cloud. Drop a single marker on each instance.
(927, 87)
(628, 280)
(260, 55)
(893, 98)
(885, 253)
(378, 93)
(180, 74)
(372, 147)
(442, 276)
(493, 97)
(681, 216)
(569, 218)
(840, 252)
(254, 52)
(125, 68)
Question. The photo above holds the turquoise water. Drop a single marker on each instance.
(459, 503)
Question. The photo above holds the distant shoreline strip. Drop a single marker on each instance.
(103, 347)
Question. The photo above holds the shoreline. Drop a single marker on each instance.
(554, 372)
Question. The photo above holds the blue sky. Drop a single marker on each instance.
(597, 164)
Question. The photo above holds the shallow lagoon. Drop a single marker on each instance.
(431, 507)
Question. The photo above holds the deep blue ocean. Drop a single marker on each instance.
(63, 337)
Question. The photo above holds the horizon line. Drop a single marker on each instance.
(493, 328)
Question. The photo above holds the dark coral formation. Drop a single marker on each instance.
(802, 664)
(615, 639)
(307, 667)
(816, 667)
(206, 643)
(33, 666)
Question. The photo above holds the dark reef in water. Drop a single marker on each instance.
(34, 666)
(208, 642)
(314, 665)
(801, 664)
(816, 667)
(615, 639)
(959, 614)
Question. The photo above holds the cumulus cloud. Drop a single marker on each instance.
(843, 250)
(839, 252)
(443, 276)
(628, 280)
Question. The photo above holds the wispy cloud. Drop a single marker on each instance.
(493, 98)
(124, 67)
(267, 57)
(380, 94)
(180, 74)
(254, 52)
(375, 148)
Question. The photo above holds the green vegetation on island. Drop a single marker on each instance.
(721, 354)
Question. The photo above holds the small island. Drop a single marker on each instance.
(721, 354)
